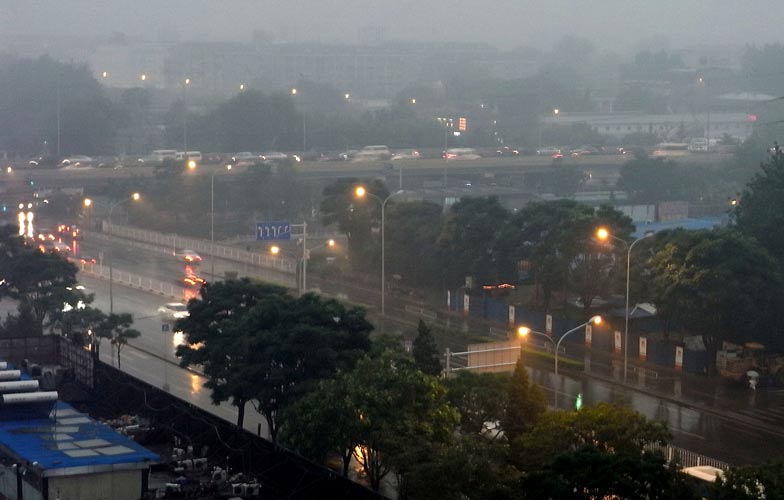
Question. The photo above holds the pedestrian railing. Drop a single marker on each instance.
(175, 242)
(129, 279)
(686, 458)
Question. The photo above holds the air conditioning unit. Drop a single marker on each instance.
(252, 489)
(237, 489)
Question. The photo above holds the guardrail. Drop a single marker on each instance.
(175, 242)
(686, 458)
(129, 279)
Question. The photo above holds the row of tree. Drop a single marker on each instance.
(723, 284)
(328, 391)
(44, 286)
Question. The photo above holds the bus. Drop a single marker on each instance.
(159, 156)
(671, 149)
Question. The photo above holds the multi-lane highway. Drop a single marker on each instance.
(739, 433)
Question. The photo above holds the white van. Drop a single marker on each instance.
(189, 155)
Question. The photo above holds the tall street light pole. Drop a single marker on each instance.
(212, 221)
(596, 320)
(604, 235)
(133, 197)
(361, 192)
(185, 117)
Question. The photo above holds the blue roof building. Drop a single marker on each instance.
(50, 450)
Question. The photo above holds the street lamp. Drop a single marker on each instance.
(187, 82)
(330, 243)
(133, 197)
(88, 203)
(212, 220)
(361, 192)
(274, 249)
(603, 234)
(596, 320)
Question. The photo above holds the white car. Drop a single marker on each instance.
(188, 255)
(173, 311)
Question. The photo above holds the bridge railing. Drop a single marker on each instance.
(129, 279)
(176, 242)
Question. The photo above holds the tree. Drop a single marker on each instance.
(35, 91)
(651, 180)
(525, 403)
(216, 340)
(466, 243)
(323, 421)
(117, 328)
(760, 212)
(589, 473)
(297, 342)
(425, 351)
(257, 343)
(751, 482)
(719, 284)
(41, 281)
(606, 427)
(478, 397)
(400, 410)
(354, 219)
(412, 229)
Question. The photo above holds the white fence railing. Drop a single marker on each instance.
(129, 279)
(175, 242)
(686, 458)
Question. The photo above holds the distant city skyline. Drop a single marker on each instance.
(612, 25)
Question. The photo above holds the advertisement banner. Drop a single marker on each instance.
(511, 315)
(617, 343)
(466, 301)
(548, 326)
(643, 349)
(679, 358)
(588, 334)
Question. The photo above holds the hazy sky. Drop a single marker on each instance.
(611, 24)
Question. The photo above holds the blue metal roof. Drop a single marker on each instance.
(690, 224)
(69, 439)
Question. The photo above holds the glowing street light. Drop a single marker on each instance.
(143, 77)
(603, 234)
(191, 164)
(294, 91)
(133, 197)
(242, 86)
(274, 249)
(104, 74)
(361, 192)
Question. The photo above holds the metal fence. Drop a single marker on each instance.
(174, 242)
(686, 458)
(129, 279)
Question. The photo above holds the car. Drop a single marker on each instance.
(173, 311)
(194, 280)
(274, 157)
(348, 154)
(462, 154)
(406, 155)
(61, 247)
(507, 151)
(87, 259)
(188, 255)
(77, 160)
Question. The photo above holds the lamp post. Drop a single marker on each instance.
(596, 320)
(212, 221)
(133, 197)
(361, 192)
(88, 204)
(604, 235)
(185, 117)
(306, 257)
(524, 331)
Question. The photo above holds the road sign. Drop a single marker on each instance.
(273, 230)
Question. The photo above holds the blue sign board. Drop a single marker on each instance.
(274, 230)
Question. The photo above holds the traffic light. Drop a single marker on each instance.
(462, 124)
